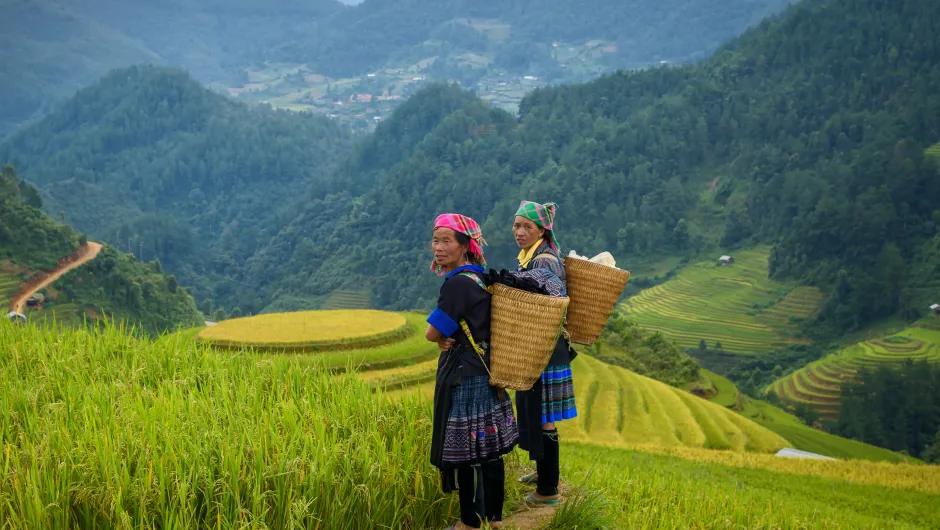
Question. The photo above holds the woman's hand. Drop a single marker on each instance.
(444, 343)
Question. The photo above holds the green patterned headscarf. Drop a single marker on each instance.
(543, 215)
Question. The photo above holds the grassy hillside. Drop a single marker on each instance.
(696, 488)
(621, 409)
(149, 420)
(818, 384)
(799, 435)
(735, 305)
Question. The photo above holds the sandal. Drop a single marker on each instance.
(532, 499)
(531, 478)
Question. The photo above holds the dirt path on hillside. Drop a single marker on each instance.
(42, 280)
(533, 517)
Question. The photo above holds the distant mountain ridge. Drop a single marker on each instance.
(51, 48)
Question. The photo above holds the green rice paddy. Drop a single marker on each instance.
(818, 384)
(619, 408)
(348, 300)
(9, 284)
(934, 151)
(102, 430)
(736, 305)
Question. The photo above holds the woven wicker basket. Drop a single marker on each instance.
(594, 290)
(524, 328)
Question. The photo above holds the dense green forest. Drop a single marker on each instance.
(894, 408)
(28, 236)
(808, 132)
(153, 163)
(623, 343)
(53, 48)
(115, 285)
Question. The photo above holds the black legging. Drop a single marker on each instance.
(482, 489)
(548, 467)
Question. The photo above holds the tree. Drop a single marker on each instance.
(171, 284)
(236, 312)
(718, 346)
(702, 346)
(207, 307)
(932, 453)
(680, 234)
(219, 315)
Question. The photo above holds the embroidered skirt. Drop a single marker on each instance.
(480, 426)
(558, 394)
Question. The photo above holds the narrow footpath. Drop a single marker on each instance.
(80, 257)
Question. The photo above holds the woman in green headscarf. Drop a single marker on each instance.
(551, 399)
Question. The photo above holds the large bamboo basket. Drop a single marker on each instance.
(524, 329)
(594, 290)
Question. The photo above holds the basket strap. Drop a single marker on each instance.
(564, 323)
(545, 255)
(476, 277)
(476, 347)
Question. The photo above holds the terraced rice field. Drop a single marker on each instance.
(348, 300)
(66, 314)
(619, 408)
(934, 151)
(737, 306)
(141, 430)
(818, 384)
(394, 356)
(310, 331)
(9, 284)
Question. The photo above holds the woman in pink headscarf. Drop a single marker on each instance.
(474, 424)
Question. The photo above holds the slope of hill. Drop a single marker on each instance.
(153, 163)
(621, 409)
(818, 385)
(150, 408)
(56, 47)
(500, 50)
(53, 48)
(754, 144)
(761, 142)
(110, 286)
(798, 434)
(735, 306)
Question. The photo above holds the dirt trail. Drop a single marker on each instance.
(77, 259)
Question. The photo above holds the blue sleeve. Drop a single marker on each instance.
(442, 322)
(452, 304)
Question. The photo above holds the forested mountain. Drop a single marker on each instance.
(808, 132)
(113, 285)
(638, 31)
(157, 165)
(51, 48)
